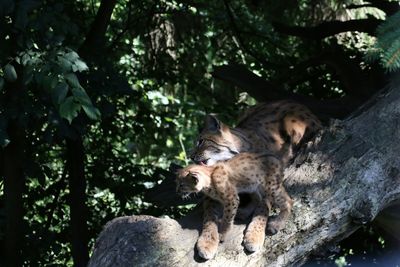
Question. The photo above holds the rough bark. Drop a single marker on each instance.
(95, 39)
(341, 180)
(77, 201)
(14, 183)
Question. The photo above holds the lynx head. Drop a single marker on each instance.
(215, 143)
(191, 179)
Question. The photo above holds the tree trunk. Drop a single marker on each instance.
(94, 43)
(77, 202)
(339, 181)
(14, 181)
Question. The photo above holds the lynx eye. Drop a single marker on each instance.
(200, 142)
(195, 180)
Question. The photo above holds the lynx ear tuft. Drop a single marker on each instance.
(211, 123)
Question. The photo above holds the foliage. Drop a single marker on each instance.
(387, 46)
(138, 102)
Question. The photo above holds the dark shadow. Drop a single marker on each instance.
(196, 256)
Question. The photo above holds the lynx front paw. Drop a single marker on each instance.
(224, 229)
(253, 240)
(274, 225)
(207, 246)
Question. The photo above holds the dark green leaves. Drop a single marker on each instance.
(1, 83)
(69, 109)
(9, 73)
(4, 139)
(71, 106)
(91, 112)
(79, 65)
(387, 45)
(72, 80)
(55, 71)
(59, 93)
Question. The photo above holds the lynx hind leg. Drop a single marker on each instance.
(255, 232)
(207, 244)
(280, 199)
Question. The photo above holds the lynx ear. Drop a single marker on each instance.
(181, 172)
(211, 123)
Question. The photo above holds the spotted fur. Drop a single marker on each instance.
(276, 127)
(256, 173)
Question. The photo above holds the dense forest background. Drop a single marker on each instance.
(99, 97)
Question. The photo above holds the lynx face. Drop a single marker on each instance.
(209, 151)
(188, 181)
(213, 144)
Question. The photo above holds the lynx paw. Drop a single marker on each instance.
(224, 231)
(274, 225)
(207, 246)
(253, 241)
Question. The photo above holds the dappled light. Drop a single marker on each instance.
(102, 101)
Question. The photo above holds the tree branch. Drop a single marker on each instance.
(128, 23)
(95, 38)
(357, 82)
(244, 46)
(262, 90)
(329, 28)
(328, 182)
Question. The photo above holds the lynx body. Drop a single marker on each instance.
(244, 173)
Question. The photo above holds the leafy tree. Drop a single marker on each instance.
(97, 98)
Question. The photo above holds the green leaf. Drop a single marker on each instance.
(59, 93)
(81, 96)
(64, 64)
(9, 73)
(28, 74)
(25, 58)
(49, 82)
(1, 83)
(72, 80)
(92, 112)
(4, 138)
(72, 56)
(69, 109)
(79, 66)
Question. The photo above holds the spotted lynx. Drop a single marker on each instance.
(276, 127)
(245, 173)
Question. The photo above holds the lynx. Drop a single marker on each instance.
(260, 174)
(277, 127)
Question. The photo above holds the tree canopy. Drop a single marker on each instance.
(99, 97)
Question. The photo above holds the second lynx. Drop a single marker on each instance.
(245, 173)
